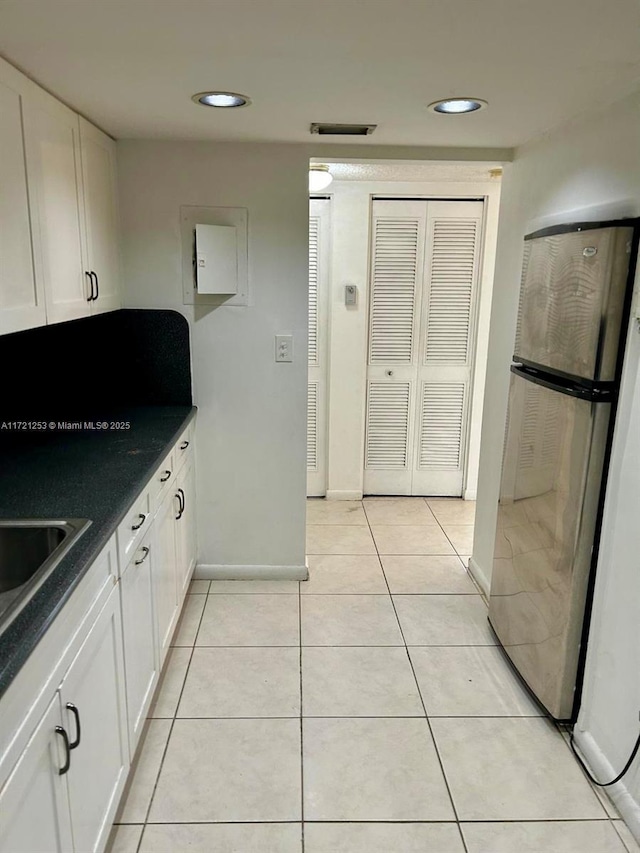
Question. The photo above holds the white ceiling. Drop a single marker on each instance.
(132, 65)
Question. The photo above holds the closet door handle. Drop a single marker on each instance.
(71, 707)
(142, 518)
(97, 285)
(90, 277)
(67, 750)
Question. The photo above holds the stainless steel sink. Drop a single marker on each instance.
(30, 549)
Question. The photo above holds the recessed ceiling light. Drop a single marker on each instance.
(319, 177)
(221, 99)
(457, 106)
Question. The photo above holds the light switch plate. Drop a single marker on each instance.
(284, 347)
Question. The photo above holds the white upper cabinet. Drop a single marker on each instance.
(100, 211)
(58, 210)
(21, 294)
(53, 164)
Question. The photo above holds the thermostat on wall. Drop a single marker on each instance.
(216, 259)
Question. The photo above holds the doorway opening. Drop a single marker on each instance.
(401, 262)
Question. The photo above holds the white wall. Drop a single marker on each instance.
(251, 428)
(350, 225)
(588, 169)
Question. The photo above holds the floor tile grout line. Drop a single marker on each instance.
(173, 721)
(385, 821)
(356, 646)
(371, 716)
(426, 716)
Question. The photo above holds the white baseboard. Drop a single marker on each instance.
(338, 495)
(469, 495)
(595, 759)
(479, 576)
(208, 572)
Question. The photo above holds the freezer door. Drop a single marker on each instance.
(571, 301)
(551, 478)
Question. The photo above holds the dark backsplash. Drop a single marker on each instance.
(131, 357)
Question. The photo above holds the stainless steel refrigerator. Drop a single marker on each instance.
(572, 320)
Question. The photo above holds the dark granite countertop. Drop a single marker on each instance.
(77, 474)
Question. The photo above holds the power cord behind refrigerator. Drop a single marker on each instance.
(618, 777)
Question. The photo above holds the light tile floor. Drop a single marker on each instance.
(367, 710)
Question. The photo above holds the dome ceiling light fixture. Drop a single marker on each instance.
(319, 177)
(221, 99)
(457, 106)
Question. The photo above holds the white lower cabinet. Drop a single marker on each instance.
(34, 803)
(92, 697)
(73, 716)
(139, 631)
(63, 792)
(185, 526)
(165, 572)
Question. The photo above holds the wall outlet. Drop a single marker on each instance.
(284, 347)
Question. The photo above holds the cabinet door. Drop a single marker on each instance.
(34, 806)
(185, 527)
(138, 618)
(100, 208)
(53, 165)
(22, 303)
(165, 578)
(94, 687)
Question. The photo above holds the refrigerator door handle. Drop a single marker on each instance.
(605, 393)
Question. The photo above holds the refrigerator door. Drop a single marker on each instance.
(551, 477)
(572, 300)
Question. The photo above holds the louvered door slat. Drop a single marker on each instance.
(452, 273)
(387, 424)
(319, 241)
(312, 427)
(314, 248)
(442, 419)
(393, 290)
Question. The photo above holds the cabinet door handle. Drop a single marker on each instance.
(71, 707)
(142, 518)
(184, 445)
(144, 556)
(97, 281)
(67, 751)
(164, 479)
(180, 496)
(90, 277)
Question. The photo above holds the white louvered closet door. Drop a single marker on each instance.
(425, 260)
(319, 235)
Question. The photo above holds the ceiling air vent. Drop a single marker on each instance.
(342, 129)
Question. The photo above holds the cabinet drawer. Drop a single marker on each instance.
(183, 448)
(162, 481)
(133, 527)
